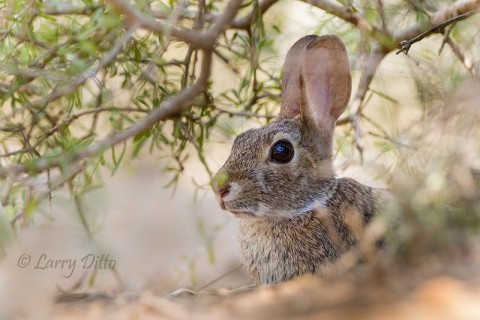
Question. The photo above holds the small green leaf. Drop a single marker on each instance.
(137, 53)
(47, 17)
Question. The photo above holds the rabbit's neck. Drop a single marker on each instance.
(275, 250)
(318, 196)
(278, 250)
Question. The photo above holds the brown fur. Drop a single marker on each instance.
(297, 217)
(278, 250)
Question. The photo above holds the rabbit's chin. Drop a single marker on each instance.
(243, 213)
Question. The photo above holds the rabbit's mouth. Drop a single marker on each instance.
(242, 214)
(222, 204)
(238, 211)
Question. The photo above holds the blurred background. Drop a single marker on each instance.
(146, 203)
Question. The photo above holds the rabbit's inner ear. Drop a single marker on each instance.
(292, 100)
(327, 81)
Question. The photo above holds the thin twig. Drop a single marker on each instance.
(381, 11)
(135, 17)
(446, 35)
(198, 148)
(67, 9)
(220, 277)
(244, 114)
(387, 138)
(459, 54)
(226, 61)
(343, 121)
(355, 18)
(406, 44)
(374, 59)
(242, 23)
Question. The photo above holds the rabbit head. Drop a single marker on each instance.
(284, 168)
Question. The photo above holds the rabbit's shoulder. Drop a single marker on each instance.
(352, 195)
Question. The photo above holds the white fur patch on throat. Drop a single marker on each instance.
(269, 212)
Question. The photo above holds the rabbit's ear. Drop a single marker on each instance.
(316, 80)
(292, 98)
(327, 79)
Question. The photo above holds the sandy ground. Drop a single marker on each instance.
(400, 297)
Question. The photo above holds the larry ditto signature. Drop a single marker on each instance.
(89, 261)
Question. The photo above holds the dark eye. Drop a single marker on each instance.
(282, 151)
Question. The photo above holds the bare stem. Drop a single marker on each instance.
(406, 44)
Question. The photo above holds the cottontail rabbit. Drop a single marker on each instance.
(295, 216)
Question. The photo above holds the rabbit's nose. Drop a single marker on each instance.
(224, 190)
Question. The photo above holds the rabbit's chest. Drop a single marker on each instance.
(278, 251)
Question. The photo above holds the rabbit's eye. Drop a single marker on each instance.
(282, 151)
